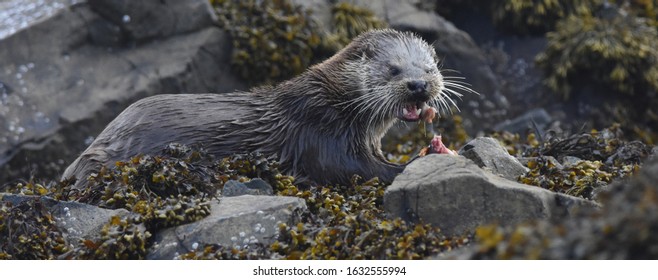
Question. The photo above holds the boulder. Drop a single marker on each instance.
(538, 118)
(453, 193)
(148, 19)
(69, 73)
(233, 222)
(488, 153)
(75, 220)
(254, 187)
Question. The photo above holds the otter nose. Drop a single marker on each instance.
(418, 89)
(417, 85)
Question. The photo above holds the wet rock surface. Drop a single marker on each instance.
(238, 222)
(456, 195)
(66, 76)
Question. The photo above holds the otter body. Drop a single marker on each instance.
(324, 125)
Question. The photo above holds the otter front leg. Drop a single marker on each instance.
(388, 171)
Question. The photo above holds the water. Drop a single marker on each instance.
(16, 15)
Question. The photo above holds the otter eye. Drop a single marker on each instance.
(394, 70)
(429, 71)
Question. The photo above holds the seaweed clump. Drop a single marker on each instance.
(537, 16)
(28, 231)
(120, 239)
(623, 229)
(618, 52)
(343, 222)
(579, 164)
(166, 190)
(159, 191)
(276, 40)
(348, 22)
(272, 40)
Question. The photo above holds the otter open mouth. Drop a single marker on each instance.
(412, 112)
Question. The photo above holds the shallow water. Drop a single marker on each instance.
(16, 15)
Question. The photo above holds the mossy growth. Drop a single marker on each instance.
(28, 231)
(349, 21)
(536, 17)
(616, 53)
(272, 40)
(276, 40)
(642, 8)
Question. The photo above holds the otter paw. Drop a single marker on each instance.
(428, 114)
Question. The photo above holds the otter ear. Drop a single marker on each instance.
(367, 51)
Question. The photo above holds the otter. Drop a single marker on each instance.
(324, 125)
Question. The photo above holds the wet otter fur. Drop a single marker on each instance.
(324, 125)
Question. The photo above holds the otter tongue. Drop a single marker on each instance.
(410, 112)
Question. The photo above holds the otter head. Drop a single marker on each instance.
(398, 78)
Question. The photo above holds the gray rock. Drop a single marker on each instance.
(488, 153)
(524, 122)
(451, 192)
(254, 187)
(67, 75)
(147, 19)
(233, 221)
(570, 161)
(75, 220)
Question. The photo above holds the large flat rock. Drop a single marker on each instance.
(453, 193)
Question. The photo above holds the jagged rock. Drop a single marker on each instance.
(75, 220)
(488, 153)
(451, 192)
(523, 123)
(254, 187)
(68, 74)
(233, 221)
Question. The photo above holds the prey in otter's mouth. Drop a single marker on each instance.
(324, 126)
